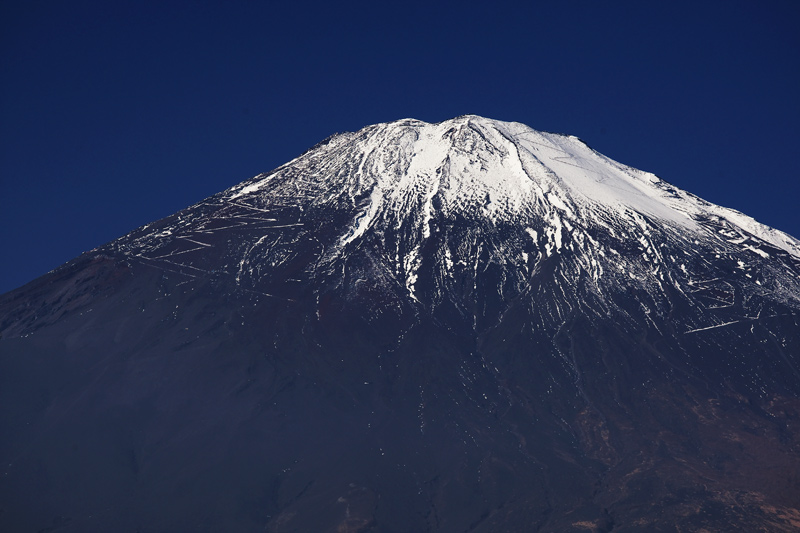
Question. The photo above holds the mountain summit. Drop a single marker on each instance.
(462, 326)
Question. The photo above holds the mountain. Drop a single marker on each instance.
(463, 326)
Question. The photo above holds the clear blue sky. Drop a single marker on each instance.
(114, 114)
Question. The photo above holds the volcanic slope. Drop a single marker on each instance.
(462, 326)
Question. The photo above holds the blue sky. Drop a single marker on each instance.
(114, 114)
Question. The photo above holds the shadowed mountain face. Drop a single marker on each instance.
(464, 326)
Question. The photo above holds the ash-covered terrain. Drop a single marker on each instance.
(464, 326)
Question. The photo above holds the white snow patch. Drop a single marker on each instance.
(753, 249)
(363, 222)
(556, 201)
(412, 262)
(249, 189)
(448, 258)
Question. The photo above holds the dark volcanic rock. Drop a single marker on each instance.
(467, 326)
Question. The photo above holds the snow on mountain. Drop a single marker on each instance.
(430, 212)
(505, 171)
(402, 182)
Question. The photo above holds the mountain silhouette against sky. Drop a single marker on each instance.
(463, 326)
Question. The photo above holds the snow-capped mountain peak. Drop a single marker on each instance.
(481, 191)
(422, 207)
(494, 170)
